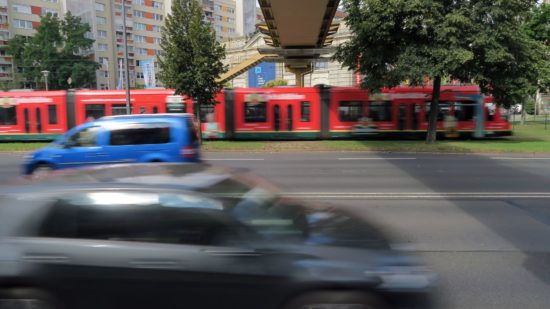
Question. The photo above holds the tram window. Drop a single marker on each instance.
(142, 110)
(155, 110)
(95, 110)
(441, 113)
(255, 112)
(156, 133)
(305, 112)
(205, 111)
(52, 114)
(8, 116)
(176, 107)
(465, 110)
(118, 109)
(380, 111)
(350, 110)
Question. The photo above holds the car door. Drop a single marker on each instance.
(107, 249)
(82, 148)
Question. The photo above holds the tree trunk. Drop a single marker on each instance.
(523, 105)
(434, 109)
(198, 119)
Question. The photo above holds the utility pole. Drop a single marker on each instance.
(45, 72)
(128, 106)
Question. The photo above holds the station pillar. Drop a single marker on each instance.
(300, 72)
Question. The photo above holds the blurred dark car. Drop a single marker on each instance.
(191, 236)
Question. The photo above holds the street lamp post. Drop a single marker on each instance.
(46, 73)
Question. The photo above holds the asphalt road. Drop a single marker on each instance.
(482, 222)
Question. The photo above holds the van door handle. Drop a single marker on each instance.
(45, 258)
(233, 252)
(156, 264)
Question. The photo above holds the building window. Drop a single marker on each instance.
(51, 1)
(21, 8)
(305, 112)
(22, 24)
(218, 17)
(101, 33)
(156, 41)
(52, 114)
(156, 5)
(157, 16)
(105, 74)
(255, 112)
(231, 10)
(217, 7)
(138, 2)
(103, 87)
(321, 64)
(8, 116)
(101, 20)
(99, 7)
(350, 111)
(139, 39)
(156, 28)
(102, 47)
(140, 26)
(157, 52)
(118, 7)
(142, 51)
(139, 75)
(139, 14)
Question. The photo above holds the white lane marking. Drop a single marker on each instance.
(517, 158)
(378, 195)
(235, 159)
(344, 159)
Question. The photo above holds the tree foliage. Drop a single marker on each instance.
(275, 83)
(191, 58)
(59, 46)
(470, 40)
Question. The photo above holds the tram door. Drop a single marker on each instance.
(407, 116)
(34, 118)
(283, 116)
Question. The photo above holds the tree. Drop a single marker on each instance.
(275, 83)
(397, 40)
(191, 58)
(60, 47)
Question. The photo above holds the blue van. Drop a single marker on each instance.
(120, 139)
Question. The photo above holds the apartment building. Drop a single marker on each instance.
(144, 20)
(21, 17)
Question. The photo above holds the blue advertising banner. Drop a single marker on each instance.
(261, 74)
(148, 68)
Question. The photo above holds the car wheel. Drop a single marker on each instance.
(335, 300)
(42, 169)
(27, 298)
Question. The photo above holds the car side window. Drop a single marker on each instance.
(84, 138)
(141, 217)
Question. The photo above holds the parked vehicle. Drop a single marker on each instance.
(194, 236)
(120, 139)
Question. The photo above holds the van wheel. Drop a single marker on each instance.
(40, 170)
(335, 300)
(24, 298)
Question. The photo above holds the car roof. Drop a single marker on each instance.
(146, 116)
(181, 176)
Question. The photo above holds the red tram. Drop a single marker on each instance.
(264, 113)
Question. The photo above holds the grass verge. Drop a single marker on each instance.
(528, 138)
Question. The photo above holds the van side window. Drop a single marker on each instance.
(85, 138)
(140, 134)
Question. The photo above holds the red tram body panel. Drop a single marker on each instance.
(37, 115)
(276, 113)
